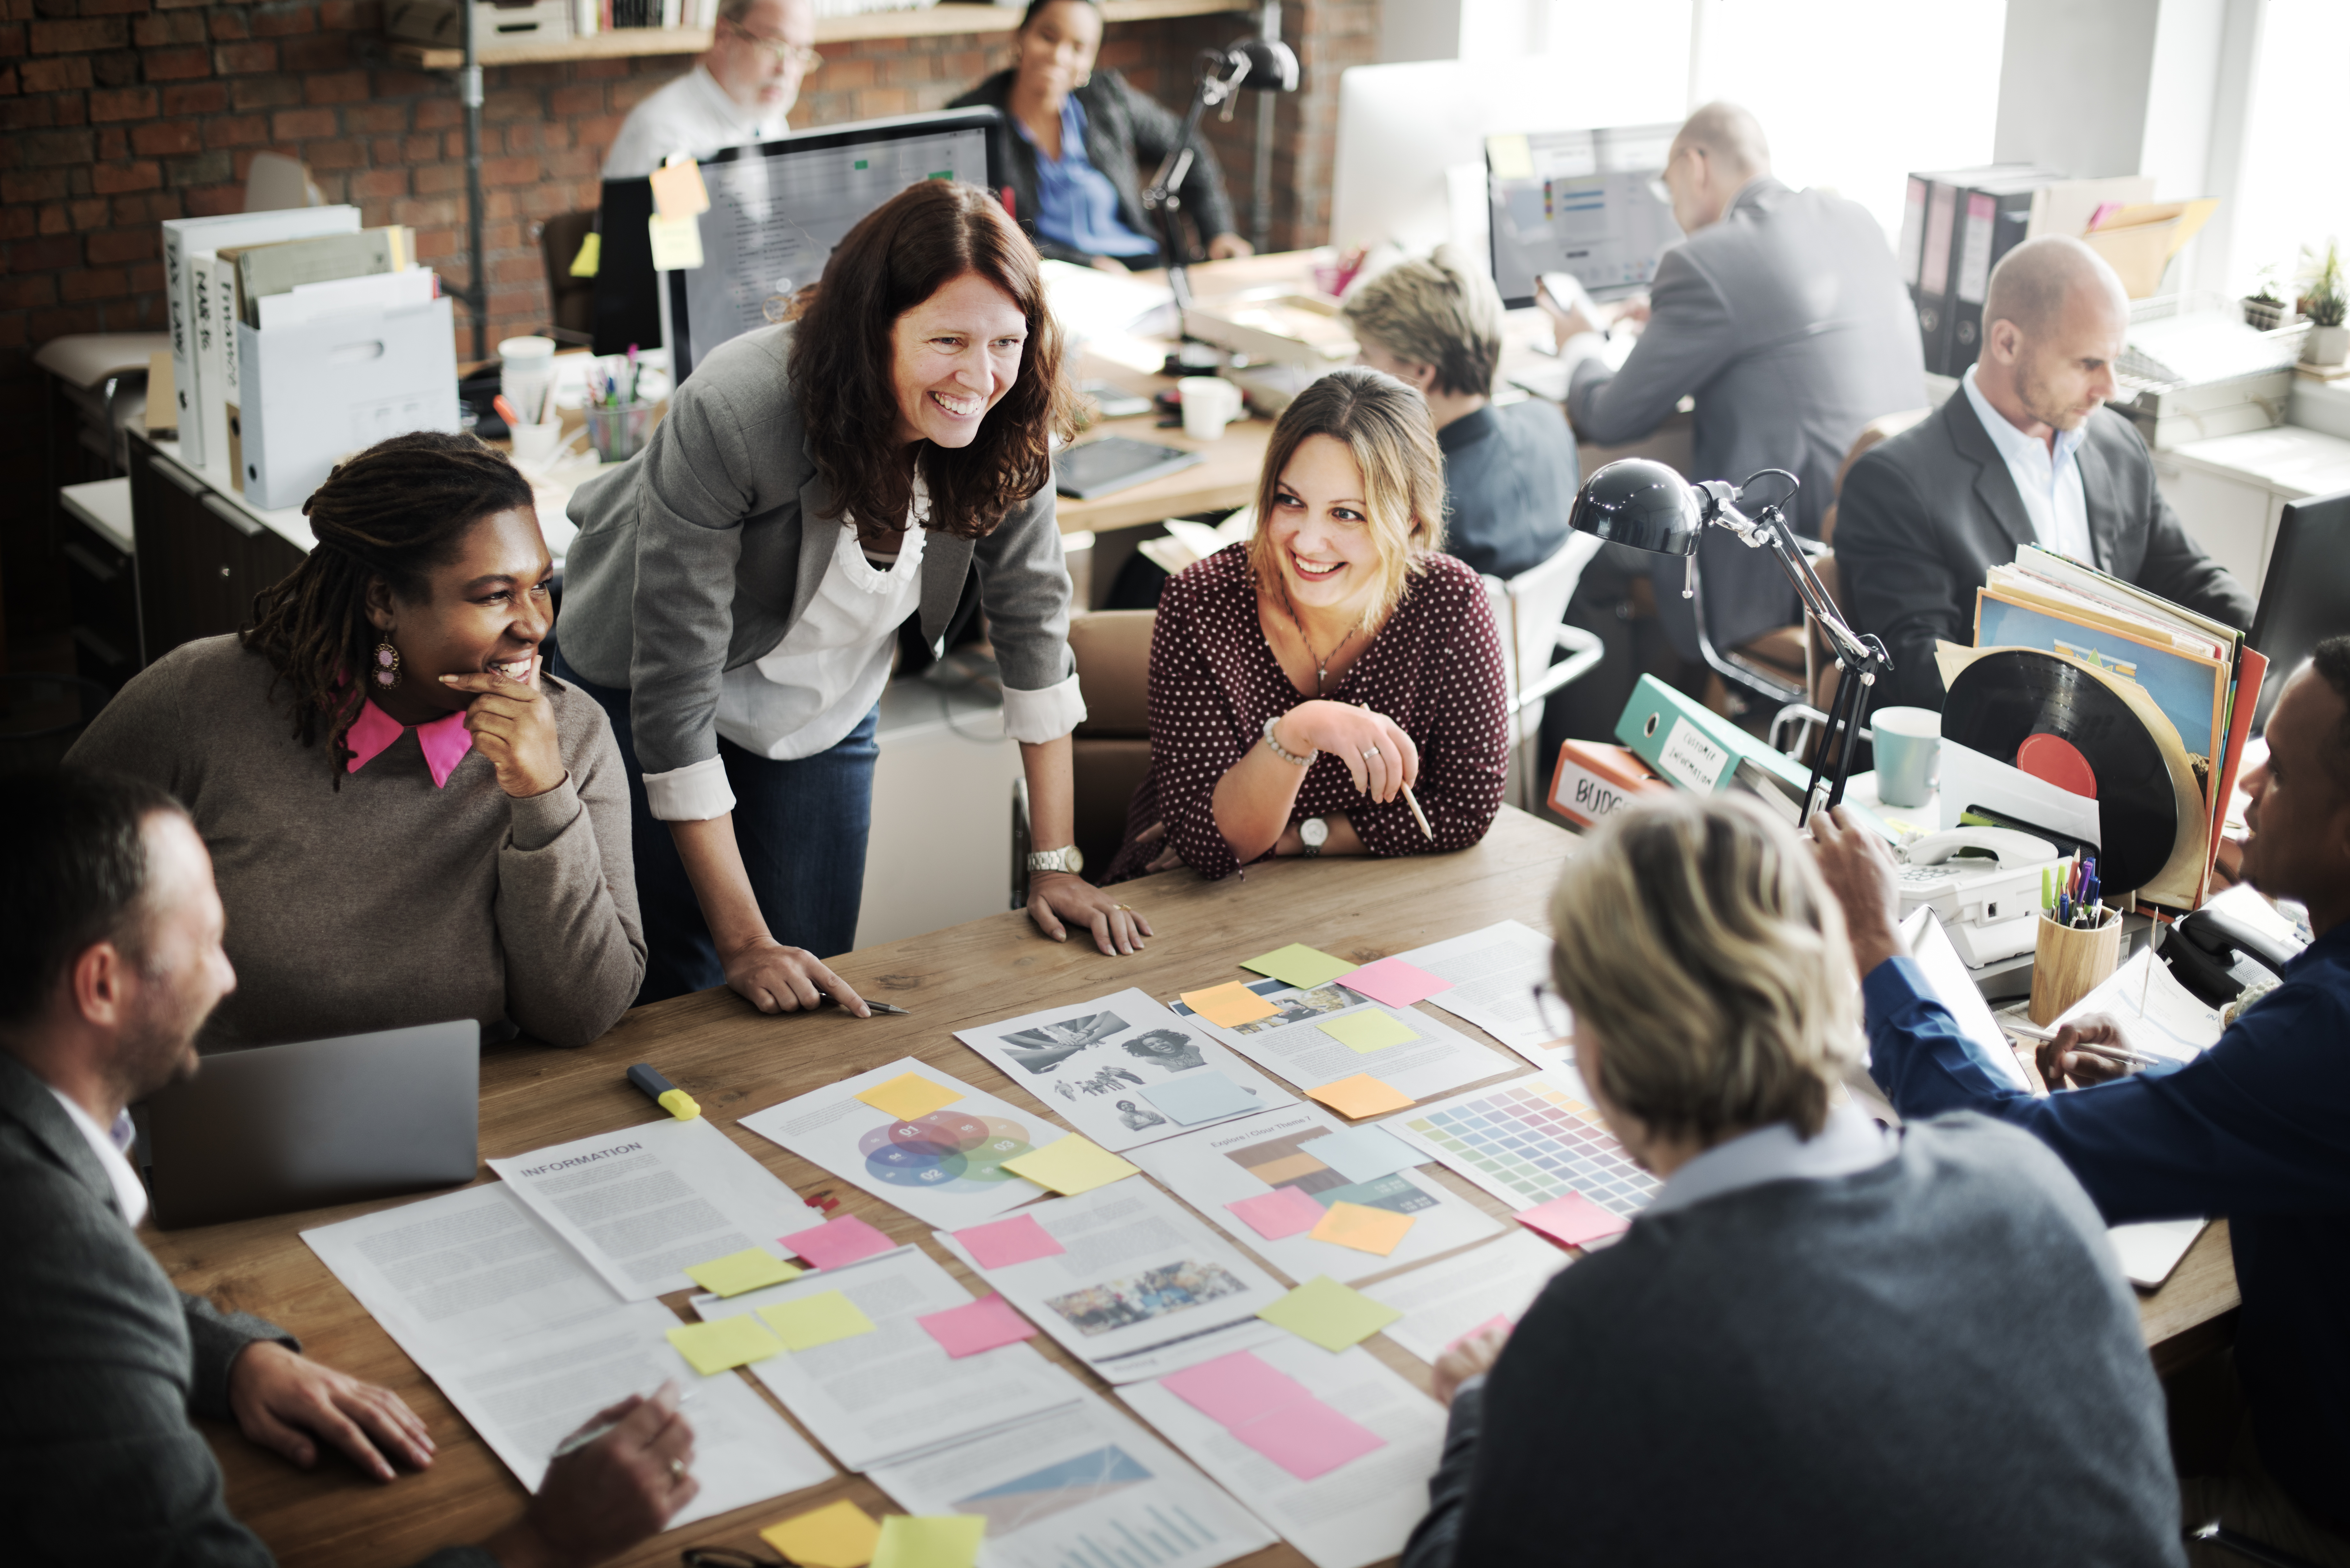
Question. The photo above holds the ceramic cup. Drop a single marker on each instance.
(526, 373)
(1908, 744)
(1209, 403)
(534, 445)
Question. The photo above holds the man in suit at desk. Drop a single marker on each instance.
(2025, 452)
(109, 960)
(1782, 316)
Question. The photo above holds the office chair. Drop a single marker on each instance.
(1530, 614)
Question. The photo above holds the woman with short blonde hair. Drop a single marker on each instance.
(1301, 682)
(1814, 1323)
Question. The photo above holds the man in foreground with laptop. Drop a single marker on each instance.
(110, 959)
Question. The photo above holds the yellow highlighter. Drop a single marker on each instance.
(664, 1094)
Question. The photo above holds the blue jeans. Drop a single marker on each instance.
(802, 826)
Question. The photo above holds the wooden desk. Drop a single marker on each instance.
(735, 1062)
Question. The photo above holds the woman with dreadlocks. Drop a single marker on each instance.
(410, 820)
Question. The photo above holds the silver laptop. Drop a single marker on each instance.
(282, 1128)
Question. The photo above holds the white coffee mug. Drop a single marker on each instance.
(1209, 403)
(1908, 744)
(526, 374)
(534, 445)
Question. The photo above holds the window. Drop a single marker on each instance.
(2291, 190)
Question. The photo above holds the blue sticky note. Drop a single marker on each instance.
(1201, 1095)
(1363, 1154)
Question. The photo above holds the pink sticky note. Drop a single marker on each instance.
(839, 1241)
(1574, 1220)
(1284, 1211)
(1502, 1321)
(1395, 982)
(1234, 1389)
(983, 1325)
(1307, 1437)
(1018, 1239)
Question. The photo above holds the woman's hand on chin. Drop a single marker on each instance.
(1059, 899)
(514, 727)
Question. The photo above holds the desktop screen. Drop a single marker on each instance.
(2306, 597)
(1578, 201)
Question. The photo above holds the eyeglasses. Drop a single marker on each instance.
(791, 54)
(1552, 1012)
(1662, 192)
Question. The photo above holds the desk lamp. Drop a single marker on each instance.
(1649, 506)
(1260, 64)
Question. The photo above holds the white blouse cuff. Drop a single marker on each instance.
(695, 793)
(1037, 717)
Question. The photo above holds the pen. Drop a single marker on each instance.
(826, 999)
(506, 410)
(663, 1093)
(587, 1434)
(2114, 1053)
(1418, 815)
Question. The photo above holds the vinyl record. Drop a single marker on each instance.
(2051, 719)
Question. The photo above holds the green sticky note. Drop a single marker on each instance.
(819, 1319)
(937, 1541)
(1328, 1314)
(1298, 964)
(725, 1342)
(747, 1270)
(1369, 1030)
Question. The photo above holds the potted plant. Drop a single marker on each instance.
(2329, 339)
(2265, 310)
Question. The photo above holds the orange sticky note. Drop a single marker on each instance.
(1361, 1095)
(678, 191)
(1364, 1229)
(1229, 1006)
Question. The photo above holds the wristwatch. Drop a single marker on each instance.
(1065, 858)
(1314, 833)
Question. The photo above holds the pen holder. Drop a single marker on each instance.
(2068, 963)
(618, 431)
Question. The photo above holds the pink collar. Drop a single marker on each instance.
(445, 740)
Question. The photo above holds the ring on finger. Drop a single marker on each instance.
(677, 1469)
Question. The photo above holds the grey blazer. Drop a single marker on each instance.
(700, 554)
(101, 1365)
(1789, 325)
(1925, 515)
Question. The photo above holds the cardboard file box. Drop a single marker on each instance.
(317, 392)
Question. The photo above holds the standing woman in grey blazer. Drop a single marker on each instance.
(736, 592)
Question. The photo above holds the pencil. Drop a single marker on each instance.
(1418, 815)
(2113, 1054)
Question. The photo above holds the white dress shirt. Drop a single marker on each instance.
(113, 1153)
(1849, 1143)
(692, 114)
(2050, 482)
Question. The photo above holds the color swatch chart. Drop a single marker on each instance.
(1529, 1142)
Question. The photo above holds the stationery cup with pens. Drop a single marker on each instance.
(2079, 939)
(619, 421)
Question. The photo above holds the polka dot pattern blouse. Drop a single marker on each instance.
(1435, 669)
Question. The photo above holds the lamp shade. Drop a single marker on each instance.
(1642, 503)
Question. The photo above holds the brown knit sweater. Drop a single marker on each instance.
(388, 902)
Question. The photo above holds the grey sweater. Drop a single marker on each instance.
(1934, 1362)
(388, 902)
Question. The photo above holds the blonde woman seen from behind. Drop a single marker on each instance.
(1811, 1331)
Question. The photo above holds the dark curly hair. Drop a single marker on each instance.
(842, 363)
(397, 511)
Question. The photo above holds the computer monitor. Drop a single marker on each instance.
(2306, 597)
(1582, 203)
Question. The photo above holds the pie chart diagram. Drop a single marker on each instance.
(948, 1150)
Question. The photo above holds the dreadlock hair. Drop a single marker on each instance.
(397, 511)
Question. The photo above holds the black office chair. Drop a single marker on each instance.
(571, 301)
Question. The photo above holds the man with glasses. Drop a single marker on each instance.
(737, 94)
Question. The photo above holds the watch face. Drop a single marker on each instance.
(1314, 831)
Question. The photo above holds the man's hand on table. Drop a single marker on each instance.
(617, 1490)
(2060, 1057)
(284, 1401)
(1059, 899)
(1859, 870)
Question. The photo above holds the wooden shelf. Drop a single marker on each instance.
(931, 22)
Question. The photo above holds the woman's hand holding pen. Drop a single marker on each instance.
(1381, 757)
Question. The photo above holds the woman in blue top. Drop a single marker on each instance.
(1083, 143)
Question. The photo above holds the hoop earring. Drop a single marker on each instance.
(387, 666)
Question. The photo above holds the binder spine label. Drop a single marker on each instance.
(1691, 757)
(1975, 254)
(1913, 232)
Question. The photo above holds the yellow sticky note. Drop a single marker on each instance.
(676, 242)
(1370, 1030)
(1511, 156)
(1299, 965)
(1328, 1314)
(938, 1541)
(909, 1095)
(590, 258)
(1358, 1225)
(678, 189)
(1229, 1006)
(1071, 1165)
(819, 1319)
(1361, 1095)
(747, 1270)
(837, 1535)
(723, 1342)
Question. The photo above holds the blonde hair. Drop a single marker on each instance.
(1384, 425)
(1696, 940)
(1439, 311)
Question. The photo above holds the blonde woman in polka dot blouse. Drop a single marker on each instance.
(1300, 681)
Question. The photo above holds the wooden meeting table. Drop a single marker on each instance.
(735, 1061)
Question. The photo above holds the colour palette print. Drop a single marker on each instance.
(1527, 1142)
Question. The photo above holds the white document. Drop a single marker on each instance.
(2159, 1016)
(377, 291)
(1444, 1301)
(2149, 1249)
(1140, 1288)
(945, 1169)
(529, 1344)
(1249, 1159)
(895, 1392)
(1083, 1486)
(1293, 1044)
(1096, 1063)
(1946, 974)
(645, 1203)
(1356, 1514)
(1493, 973)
